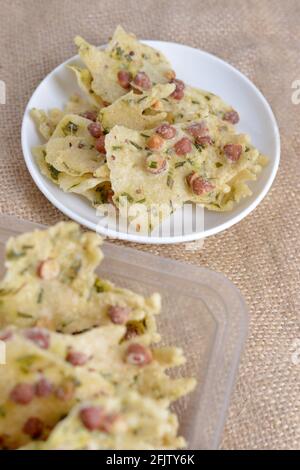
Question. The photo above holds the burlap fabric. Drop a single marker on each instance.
(260, 254)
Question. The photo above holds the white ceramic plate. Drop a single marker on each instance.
(196, 68)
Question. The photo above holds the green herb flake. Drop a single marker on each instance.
(66, 166)
(74, 269)
(199, 147)
(2, 412)
(4, 292)
(118, 52)
(53, 172)
(153, 165)
(40, 296)
(141, 201)
(11, 255)
(99, 286)
(24, 315)
(144, 135)
(247, 149)
(70, 128)
(195, 102)
(219, 164)
(116, 147)
(135, 145)
(141, 99)
(207, 97)
(73, 186)
(170, 181)
(26, 362)
(179, 164)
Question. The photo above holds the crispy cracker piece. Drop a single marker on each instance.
(51, 281)
(38, 388)
(195, 104)
(124, 52)
(104, 350)
(71, 148)
(137, 111)
(84, 80)
(139, 188)
(92, 187)
(128, 421)
(46, 122)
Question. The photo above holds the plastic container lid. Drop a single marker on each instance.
(202, 312)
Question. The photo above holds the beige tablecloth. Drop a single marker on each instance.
(260, 254)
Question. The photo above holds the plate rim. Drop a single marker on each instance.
(143, 239)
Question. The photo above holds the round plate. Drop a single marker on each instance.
(197, 68)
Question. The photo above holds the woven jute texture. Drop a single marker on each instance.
(260, 254)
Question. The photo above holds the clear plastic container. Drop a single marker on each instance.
(202, 312)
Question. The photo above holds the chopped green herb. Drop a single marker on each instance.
(135, 145)
(207, 97)
(141, 99)
(53, 172)
(10, 255)
(66, 166)
(64, 324)
(144, 135)
(40, 296)
(26, 362)
(70, 128)
(219, 164)
(100, 286)
(179, 164)
(2, 412)
(247, 149)
(4, 292)
(141, 201)
(199, 147)
(116, 147)
(195, 102)
(73, 186)
(74, 269)
(23, 271)
(170, 181)
(118, 52)
(24, 315)
(153, 165)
